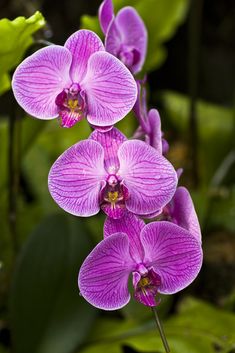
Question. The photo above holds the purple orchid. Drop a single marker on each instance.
(150, 123)
(181, 211)
(109, 172)
(161, 256)
(74, 81)
(126, 35)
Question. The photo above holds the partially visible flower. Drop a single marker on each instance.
(109, 172)
(150, 123)
(161, 256)
(180, 210)
(74, 81)
(126, 35)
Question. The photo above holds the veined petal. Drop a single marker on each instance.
(150, 179)
(174, 254)
(130, 225)
(106, 14)
(82, 44)
(128, 29)
(113, 39)
(110, 89)
(103, 277)
(184, 212)
(110, 141)
(76, 178)
(40, 78)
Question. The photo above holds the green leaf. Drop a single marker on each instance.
(5, 83)
(47, 313)
(101, 348)
(215, 128)
(15, 38)
(161, 24)
(197, 327)
(201, 319)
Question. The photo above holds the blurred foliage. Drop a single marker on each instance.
(53, 312)
(187, 331)
(161, 24)
(215, 198)
(15, 38)
(215, 127)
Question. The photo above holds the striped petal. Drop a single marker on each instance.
(110, 89)
(173, 253)
(103, 277)
(40, 78)
(150, 179)
(76, 178)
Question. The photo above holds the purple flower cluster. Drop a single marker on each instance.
(127, 179)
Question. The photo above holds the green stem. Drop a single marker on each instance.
(160, 330)
(13, 177)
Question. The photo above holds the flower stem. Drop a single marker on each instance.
(13, 176)
(160, 329)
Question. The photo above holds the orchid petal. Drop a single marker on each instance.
(130, 225)
(155, 130)
(184, 212)
(77, 177)
(174, 254)
(106, 14)
(140, 108)
(110, 141)
(103, 277)
(128, 29)
(82, 44)
(40, 78)
(149, 177)
(110, 89)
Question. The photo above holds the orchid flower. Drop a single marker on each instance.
(150, 123)
(161, 256)
(109, 172)
(74, 81)
(181, 211)
(125, 35)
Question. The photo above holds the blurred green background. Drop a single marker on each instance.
(190, 67)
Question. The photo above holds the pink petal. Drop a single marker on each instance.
(82, 44)
(110, 89)
(103, 277)
(155, 130)
(40, 78)
(106, 14)
(130, 225)
(110, 141)
(128, 29)
(150, 179)
(77, 177)
(174, 254)
(184, 212)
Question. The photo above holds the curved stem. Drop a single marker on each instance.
(160, 329)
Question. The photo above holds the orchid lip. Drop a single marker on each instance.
(113, 197)
(146, 283)
(71, 105)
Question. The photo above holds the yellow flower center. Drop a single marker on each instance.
(144, 282)
(72, 104)
(112, 196)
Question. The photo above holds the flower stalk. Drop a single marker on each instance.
(160, 330)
